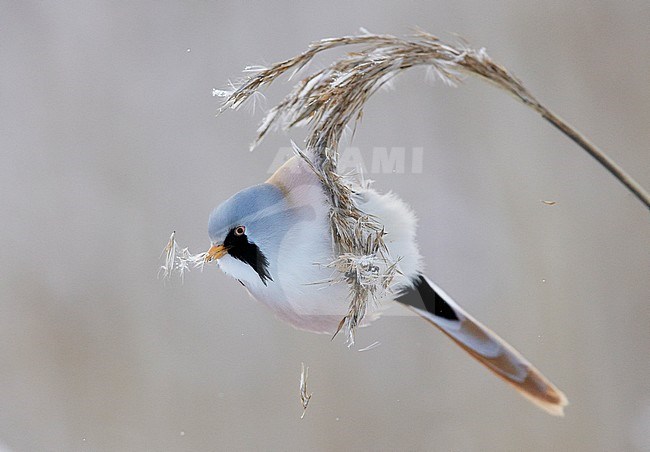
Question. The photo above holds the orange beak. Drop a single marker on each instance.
(215, 252)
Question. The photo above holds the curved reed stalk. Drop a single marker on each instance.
(329, 99)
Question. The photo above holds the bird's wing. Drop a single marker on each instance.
(430, 302)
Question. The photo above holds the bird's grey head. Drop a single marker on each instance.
(248, 227)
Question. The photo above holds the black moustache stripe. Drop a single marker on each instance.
(242, 249)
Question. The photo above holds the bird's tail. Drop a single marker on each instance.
(430, 302)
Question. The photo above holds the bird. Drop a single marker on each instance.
(275, 239)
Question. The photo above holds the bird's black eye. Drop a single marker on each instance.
(240, 230)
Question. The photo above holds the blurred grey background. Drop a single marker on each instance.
(109, 142)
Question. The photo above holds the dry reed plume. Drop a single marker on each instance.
(329, 99)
